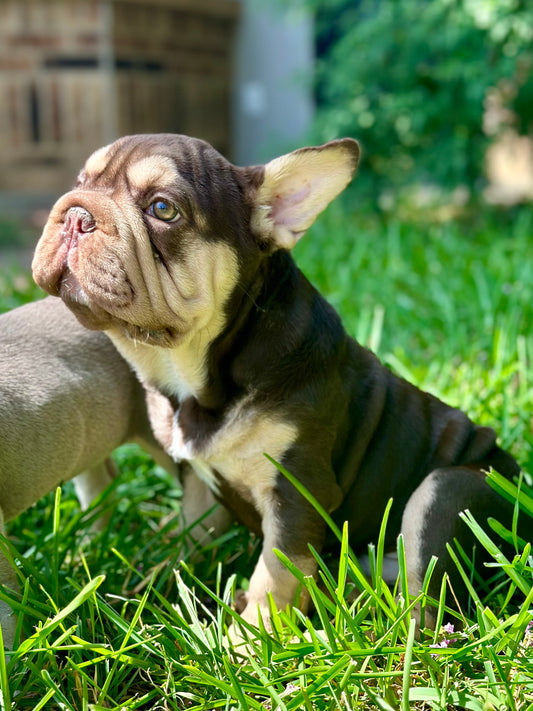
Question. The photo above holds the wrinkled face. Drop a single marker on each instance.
(161, 230)
(146, 241)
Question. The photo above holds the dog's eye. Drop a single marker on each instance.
(163, 210)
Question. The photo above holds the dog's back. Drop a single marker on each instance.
(393, 436)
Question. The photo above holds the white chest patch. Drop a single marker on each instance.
(180, 449)
(236, 452)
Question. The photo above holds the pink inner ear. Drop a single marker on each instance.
(287, 209)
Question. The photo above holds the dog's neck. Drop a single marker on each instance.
(179, 372)
(267, 317)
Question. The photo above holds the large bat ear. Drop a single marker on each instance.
(296, 188)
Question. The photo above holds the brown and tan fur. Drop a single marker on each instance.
(206, 303)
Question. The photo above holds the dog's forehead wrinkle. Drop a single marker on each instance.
(106, 165)
(98, 161)
(153, 172)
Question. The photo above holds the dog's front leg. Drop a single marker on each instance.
(270, 576)
(289, 530)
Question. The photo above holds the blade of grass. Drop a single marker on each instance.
(5, 700)
(308, 496)
(61, 698)
(341, 578)
(408, 659)
(494, 551)
(48, 627)
(124, 643)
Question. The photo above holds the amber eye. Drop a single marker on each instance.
(163, 210)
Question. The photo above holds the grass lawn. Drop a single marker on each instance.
(124, 619)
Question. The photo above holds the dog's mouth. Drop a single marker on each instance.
(70, 289)
(95, 317)
(91, 315)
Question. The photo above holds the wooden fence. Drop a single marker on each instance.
(75, 74)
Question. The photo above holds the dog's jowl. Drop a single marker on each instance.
(184, 260)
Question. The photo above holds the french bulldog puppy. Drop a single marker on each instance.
(184, 260)
(67, 400)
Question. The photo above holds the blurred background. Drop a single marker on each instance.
(439, 92)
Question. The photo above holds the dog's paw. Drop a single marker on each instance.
(245, 641)
(238, 640)
(253, 612)
(250, 613)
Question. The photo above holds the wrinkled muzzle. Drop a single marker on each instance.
(97, 257)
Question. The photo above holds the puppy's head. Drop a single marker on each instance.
(159, 230)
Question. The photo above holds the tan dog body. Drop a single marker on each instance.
(183, 259)
(67, 400)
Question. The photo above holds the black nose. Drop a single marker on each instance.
(78, 219)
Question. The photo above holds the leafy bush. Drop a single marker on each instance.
(410, 80)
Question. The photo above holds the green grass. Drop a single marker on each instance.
(124, 619)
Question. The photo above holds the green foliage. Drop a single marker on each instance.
(14, 234)
(16, 285)
(17, 288)
(410, 79)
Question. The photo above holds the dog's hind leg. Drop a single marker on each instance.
(431, 520)
(90, 484)
(8, 619)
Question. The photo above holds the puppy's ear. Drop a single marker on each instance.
(298, 186)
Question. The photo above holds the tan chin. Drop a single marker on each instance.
(95, 319)
(99, 320)
(162, 337)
